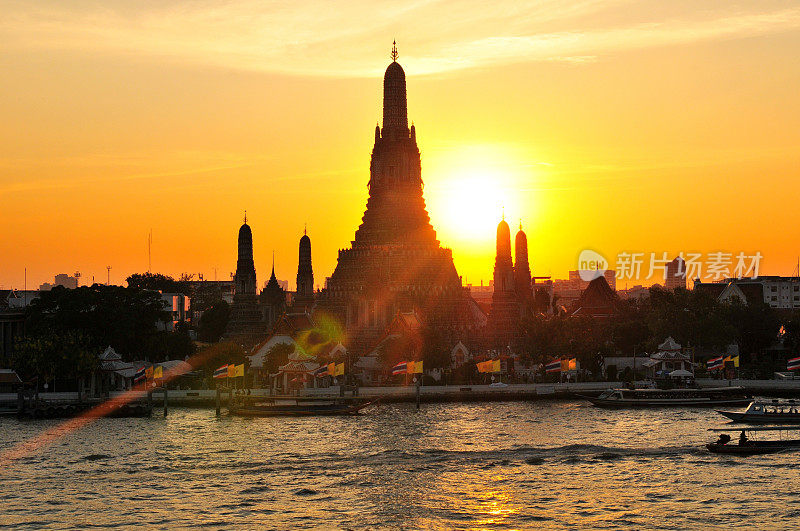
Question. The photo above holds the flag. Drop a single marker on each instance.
(417, 368)
(238, 370)
(332, 369)
(231, 370)
(339, 369)
(564, 365)
(148, 373)
(714, 363)
(400, 368)
(727, 359)
(140, 375)
(410, 367)
(553, 366)
(793, 364)
(158, 372)
(222, 372)
(322, 371)
(485, 366)
(496, 366)
(573, 364)
(736, 361)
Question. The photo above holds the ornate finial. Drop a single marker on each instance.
(245, 216)
(273, 261)
(305, 228)
(504, 213)
(394, 51)
(520, 224)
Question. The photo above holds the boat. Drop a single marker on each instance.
(299, 407)
(709, 397)
(750, 446)
(767, 411)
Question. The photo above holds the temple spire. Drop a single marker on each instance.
(245, 215)
(394, 54)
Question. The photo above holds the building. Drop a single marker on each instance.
(780, 293)
(304, 296)
(63, 280)
(568, 291)
(505, 313)
(598, 300)
(395, 262)
(675, 274)
(522, 271)
(177, 304)
(12, 325)
(246, 325)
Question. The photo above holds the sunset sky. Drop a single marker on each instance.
(609, 125)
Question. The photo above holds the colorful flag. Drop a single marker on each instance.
(553, 366)
(496, 366)
(332, 369)
(573, 364)
(238, 370)
(564, 365)
(222, 372)
(727, 359)
(231, 370)
(793, 364)
(322, 371)
(140, 375)
(417, 367)
(484, 366)
(339, 369)
(714, 363)
(148, 373)
(736, 361)
(400, 368)
(158, 372)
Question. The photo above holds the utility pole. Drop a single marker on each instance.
(108, 275)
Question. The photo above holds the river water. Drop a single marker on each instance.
(544, 464)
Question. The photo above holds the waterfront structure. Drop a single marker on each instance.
(246, 325)
(675, 274)
(395, 263)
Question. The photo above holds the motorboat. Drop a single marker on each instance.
(299, 407)
(709, 397)
(767, 411)
(749, 444)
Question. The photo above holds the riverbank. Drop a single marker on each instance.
(443, 393)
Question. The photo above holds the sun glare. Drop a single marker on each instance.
(474, 191)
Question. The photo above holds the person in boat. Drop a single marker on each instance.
(742, 439)
(724, 439)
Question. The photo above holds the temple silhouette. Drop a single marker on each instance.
(395, 264)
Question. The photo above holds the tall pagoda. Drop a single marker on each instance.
(245, 325)
(395, 263)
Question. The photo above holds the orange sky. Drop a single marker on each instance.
(614, 126)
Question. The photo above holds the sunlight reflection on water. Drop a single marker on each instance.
(499, 465)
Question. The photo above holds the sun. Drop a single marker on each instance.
(469, 195)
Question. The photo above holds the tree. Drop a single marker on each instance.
(124, 318)
(53, 355)
(159, 282)
(214, 321)
(276, 356)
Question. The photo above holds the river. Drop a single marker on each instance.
(543, 464)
